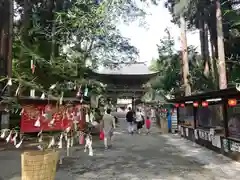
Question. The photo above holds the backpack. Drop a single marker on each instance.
(129, 116)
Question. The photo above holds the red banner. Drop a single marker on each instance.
(37, 118)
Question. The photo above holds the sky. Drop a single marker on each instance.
(146, 39)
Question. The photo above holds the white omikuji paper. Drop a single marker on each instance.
(196, 133)
(212, 131)
(87, 118)
(210, 136)
(216, 141)
(186, 130)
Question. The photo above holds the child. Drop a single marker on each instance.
(148, 124)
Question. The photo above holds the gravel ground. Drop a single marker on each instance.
(137, 157)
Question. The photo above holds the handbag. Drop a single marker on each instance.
(143, 120)
(101, 136)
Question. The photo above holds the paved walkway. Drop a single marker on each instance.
(137, 157)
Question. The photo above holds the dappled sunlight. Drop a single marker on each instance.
(208, 159)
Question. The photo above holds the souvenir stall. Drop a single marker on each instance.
(211, 119)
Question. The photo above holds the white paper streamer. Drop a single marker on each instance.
(52, 143)
(68, 129)
(68, 143)
(37, 122)
(19, 144)
(51, 123)
(32, 93)
(42, 96)
(71, 142)
(40, 147)
(53, 86)
(61, 99)
(90, 153)
(95, 123)
(91, 117)
(3, 134)
(9, 137)
(40, 133)
(14, 139)
(60, 146)
(65, 136)
(17, 91)
(68, 146)
(9, 83)
(87, 118)
(21, 112)
(196, 133)
(40, 139)
(88, 146)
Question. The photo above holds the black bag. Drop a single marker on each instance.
(143, 120)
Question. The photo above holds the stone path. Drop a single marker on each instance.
(137, 157)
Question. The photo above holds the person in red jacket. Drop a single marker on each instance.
(148, 124)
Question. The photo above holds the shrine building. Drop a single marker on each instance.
(125, 81)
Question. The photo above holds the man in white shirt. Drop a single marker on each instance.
(108, 127)
(139, 120)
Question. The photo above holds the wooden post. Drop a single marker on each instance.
(225, 117)
(195, 117)
(177, 116)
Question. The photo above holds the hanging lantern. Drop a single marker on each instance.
(195, 104)
(176, 105)
(232, 102)
(204, 104)
(182, 105)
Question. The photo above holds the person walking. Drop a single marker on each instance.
(139, 121)
(148, 124)
(108, 126)
(130, 120)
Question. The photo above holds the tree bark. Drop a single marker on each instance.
(221, 54)
(185, 65)
(206, 51)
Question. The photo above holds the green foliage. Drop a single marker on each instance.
(66, 39)
(204, 11)
(168, 64)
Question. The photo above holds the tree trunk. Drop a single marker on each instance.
(185, 66)
(213, 65)
(5, 44)
(221, 54)
(206, 51)
(10, 38)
